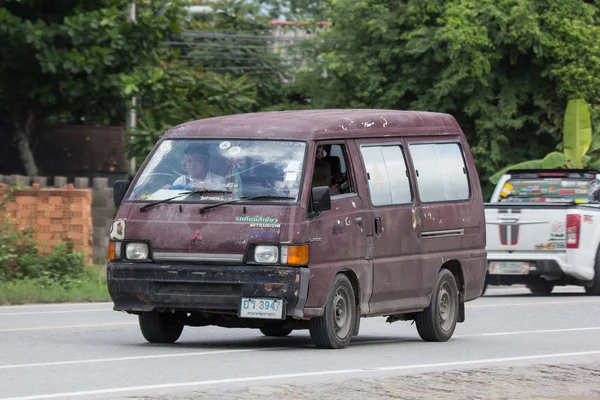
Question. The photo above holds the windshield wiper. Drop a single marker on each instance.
(149, 205)
(259, 197)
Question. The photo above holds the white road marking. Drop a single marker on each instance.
(533, 303)
(592, 328)
(149, 357)
(56, 312)
(301, 375)
(48, 305)
(45, 328)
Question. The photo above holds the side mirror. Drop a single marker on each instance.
(119, 190)
(321, 200)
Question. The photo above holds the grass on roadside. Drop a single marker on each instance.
(91, 287)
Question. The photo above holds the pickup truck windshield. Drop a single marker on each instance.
(550, 190)
(220, 170)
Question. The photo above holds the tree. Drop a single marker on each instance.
(504, 69)
(579, 147)
(181, 93)
(68, 61)
(235, 39)
(302, 10)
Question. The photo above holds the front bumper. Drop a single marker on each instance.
(139, 287)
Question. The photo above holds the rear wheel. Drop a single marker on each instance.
(594, 290)
(437, 322)
(275, 331)
(541, 287)
(334, 329)
(160, 327)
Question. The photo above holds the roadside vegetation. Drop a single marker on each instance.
(31, 273)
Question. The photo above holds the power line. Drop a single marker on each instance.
(222, 45)
(215, 35)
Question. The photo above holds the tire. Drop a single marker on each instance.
(594, 290)
(160, 327)
(485, 285)
(541, 288)
(438, 321)
(334, 329)
(275, 332)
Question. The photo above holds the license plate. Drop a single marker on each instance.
(509, 268)
(261, 308)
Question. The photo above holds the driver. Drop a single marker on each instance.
(196, 165)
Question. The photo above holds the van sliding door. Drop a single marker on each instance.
(396, 251)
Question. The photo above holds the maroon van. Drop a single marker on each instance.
(301, 220)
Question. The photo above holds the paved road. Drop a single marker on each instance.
(90, 351)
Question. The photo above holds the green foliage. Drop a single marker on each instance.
(577, 134)
(235, 39)
(577, 144)
(71, 62)
(182, 94)
(20, 258)
(505, 69)
(91, 287)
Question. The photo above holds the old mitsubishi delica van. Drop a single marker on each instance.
(301, 220)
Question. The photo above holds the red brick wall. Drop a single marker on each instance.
(54, 214)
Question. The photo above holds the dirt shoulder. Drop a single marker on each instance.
(556, 382)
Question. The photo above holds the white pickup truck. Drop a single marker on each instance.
(543, 230)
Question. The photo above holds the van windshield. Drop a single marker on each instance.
(543, 190)
(224, 169)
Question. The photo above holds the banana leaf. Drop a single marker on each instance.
(577, 134)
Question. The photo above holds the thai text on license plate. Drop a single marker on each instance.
(261, 308)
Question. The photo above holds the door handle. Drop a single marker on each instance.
(377, 225)
(358, 221)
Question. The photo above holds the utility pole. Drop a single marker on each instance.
(132, 114)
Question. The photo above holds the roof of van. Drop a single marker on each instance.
(317, 124)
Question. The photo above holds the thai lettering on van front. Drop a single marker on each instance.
(257, 218)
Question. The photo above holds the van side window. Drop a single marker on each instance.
(387, 175)
(331, 169)
(441, 172)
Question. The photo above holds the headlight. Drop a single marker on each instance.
(266, 254)
(136, 251)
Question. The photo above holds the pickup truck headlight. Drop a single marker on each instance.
(266, 254)
(136, 251)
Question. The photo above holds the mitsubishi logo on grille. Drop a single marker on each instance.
(508, 225)
(195, 236)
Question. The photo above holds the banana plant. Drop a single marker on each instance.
(578, 144)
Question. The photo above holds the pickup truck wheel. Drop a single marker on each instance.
(275, 332)
(334, 329)
(437, 322)
(160, 327)
(594, 290)
(542, 287)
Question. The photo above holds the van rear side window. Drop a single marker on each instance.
(441, 172)
(387, 175)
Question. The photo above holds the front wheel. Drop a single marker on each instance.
(541, 288)
(334, 329)
(160, 327)
(437, 322)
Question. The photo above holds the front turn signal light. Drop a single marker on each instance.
(111, 250)
(294, 255)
